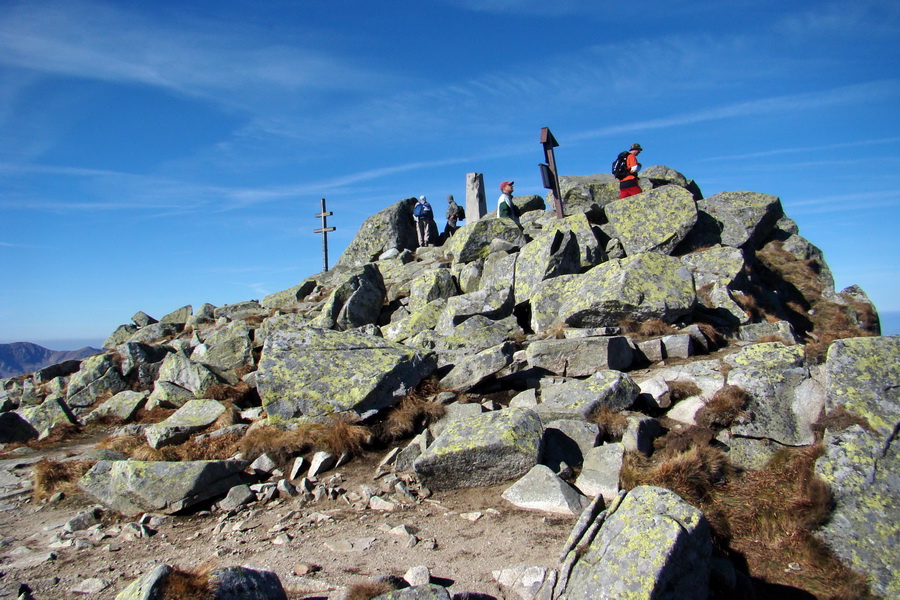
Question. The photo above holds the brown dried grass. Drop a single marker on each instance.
(612, 423)
(184, 584)
(342, 434)
(655, 327)
(367, 590)
(239, 393)
(765, 517)
(724, 408)
(51, 476)
(679, 390)
(411, 415)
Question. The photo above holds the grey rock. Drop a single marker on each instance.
(236, 497)
(243, 583)
(356, 300)
(580, 357)
(306, 372)
(679, 345)
(228, 347)
(541, 489)
(862, 375)
(423, 592)
(471, 371)
(156, 332)
(123, 406)
(290, 296)
(784, 402)
(549, 255)
(579, 398)
(432, 285)
(485, 450)
(97, 375)
(652, 544)
(861, 472)
(148, 587)
(392, 227)
(600, 473)
(752, 332)
(654, 221)
(469, 242)
(640, 433)
(194, 416)
(181, 371)
(641, 287)
(568, 441)
(737, 219)
(240, 310)
(132, 487)
(178, 316)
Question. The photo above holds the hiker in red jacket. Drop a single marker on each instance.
(628, 185)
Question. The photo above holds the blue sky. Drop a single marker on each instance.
(160, 154)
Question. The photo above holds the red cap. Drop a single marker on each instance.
(505, 183)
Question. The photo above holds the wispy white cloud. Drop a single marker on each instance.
(846, 202)
(805, 149)
(101, 42)
(857, 93)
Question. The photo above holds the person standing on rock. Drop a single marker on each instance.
(424, 218)
(505, 206)
(628, 185)
(454, 214)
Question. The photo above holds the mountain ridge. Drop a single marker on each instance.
(19, 358)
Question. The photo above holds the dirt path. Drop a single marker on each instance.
(461, 536)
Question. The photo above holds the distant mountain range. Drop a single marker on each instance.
(24, 357)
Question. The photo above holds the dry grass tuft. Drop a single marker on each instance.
(554, 332)
(629, 325)
(679, 390)
(655, 327)
(724, 408)
(156, 414)
(409, 416)
(344, 435)
(612, 423)
(714, 336)
(683, 439)
(240, 393)
(691, 474)
(188, 585)
(839, 418)
(51, 476)
(126, 444)
(367, 590)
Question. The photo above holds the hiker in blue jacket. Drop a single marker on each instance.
(424, 218)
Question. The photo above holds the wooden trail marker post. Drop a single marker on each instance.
(548, 170)
(324, 231)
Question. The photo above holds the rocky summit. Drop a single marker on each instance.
(670, 382)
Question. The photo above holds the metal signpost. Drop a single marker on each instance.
(324, 231)
(548, 170)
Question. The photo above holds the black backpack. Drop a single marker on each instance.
(460, 213)
(620, 165)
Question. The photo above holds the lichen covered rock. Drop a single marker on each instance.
(651, 545)
(482, 450)
(314, 372)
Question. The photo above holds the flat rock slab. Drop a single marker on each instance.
(313, 372)
(133, 486)
(483, 450)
